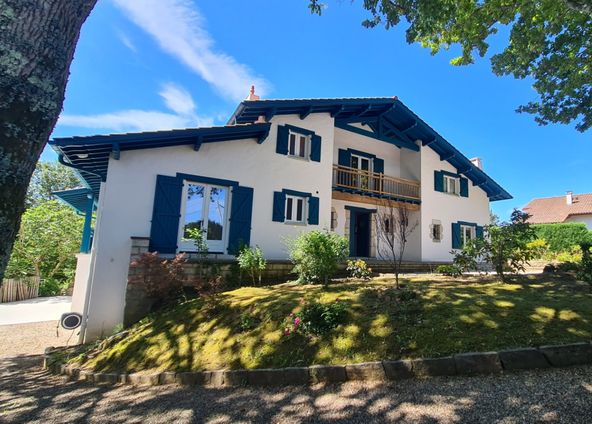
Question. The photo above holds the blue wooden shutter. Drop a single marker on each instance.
(343, 158)
(282, 140)
(456, 239)
(165, 214)
(240, 219)
(378, 165)
(279, 206)
(479, 232)
(313, 211)
(464, 187)
(315, 148)
(438, 181)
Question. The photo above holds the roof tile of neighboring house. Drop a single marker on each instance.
(555, 209)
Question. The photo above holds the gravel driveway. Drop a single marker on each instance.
(555, 395)
(33, 338)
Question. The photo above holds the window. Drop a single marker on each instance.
(204, 207)
(467, 233)
(451, 185)
(436, 231)
(298, 145)
(333, 219)
(295, 212)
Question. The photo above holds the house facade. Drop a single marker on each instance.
(278, 168)
(561, 209)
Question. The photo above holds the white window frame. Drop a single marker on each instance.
(292, 219)
(446, 185)
(472, 229)
(359, 168)
(297, 151)
(187, 245)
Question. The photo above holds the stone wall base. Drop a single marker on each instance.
(461, 364)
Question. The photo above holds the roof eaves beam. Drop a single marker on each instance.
(79, 168)
(115, 151)
(395, 141)
(410, 127)
(306, 112)
(391, 127)
(337, 111)
(447, 157)
(198, 143)
(263, 136)
(428, 142)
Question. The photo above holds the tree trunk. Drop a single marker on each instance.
(37, 42)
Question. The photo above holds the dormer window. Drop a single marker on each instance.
(298, 145)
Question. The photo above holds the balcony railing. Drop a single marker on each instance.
(372, 183)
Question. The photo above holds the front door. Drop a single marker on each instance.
(361, 235)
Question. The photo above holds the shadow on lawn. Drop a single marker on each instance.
(447, 317)
(28, 394)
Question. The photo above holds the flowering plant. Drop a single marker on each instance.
(315, 318)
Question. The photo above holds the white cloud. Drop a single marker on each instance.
(178, 28)
(176, 98)
(126, 41)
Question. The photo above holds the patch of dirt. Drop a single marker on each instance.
(33, 338)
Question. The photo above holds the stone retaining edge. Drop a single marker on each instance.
(472, 363)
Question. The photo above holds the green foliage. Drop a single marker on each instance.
(586, 265)
(539, 248)
(468, 258)
(549, 42)
(252, 261)
(162, 279)
(48, 239)
(315, 318)
(317, 254)
(574, 254)
(47, 178)
(562, 237)
(506, 245)
(448, 270)
(359, 269)
(199, 240)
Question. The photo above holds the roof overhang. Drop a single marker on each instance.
(89, 156)
(76, 198)
(387, 119)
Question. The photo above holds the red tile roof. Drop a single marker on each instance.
(555, 209)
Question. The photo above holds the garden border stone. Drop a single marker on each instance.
(461, 364)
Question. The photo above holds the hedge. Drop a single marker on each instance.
(561, 237)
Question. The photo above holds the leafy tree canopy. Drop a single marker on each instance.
(47, 178)
(48, 238)
(550, 41)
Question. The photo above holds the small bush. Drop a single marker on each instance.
(567, 267)
(160, 278)
(252, 261)
(539, 248)
(585, 273)
(53, 287)
(448, 270)
(359, 269)
(316, 255)
(315, 318)
(573, 254)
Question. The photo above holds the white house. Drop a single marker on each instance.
(279, 167)
(561, 209)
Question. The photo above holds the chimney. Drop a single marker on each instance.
(477, 162)
(569, 198)
(252, 95)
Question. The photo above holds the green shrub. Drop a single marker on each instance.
(448, 270)
(538, 248)
(562, 237)
(359, 269)
(586, 265)
(316, 255)
(252, 261)
(573, 254)
(53, 287)
(568, 266)
(316, 318)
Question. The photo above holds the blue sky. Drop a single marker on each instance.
(158, 64)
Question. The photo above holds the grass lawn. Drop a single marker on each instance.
(243, 328)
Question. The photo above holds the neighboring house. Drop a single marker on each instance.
(568, 208)
(279, 167)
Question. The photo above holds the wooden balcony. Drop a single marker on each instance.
(370, 187)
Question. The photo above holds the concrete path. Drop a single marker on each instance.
(34, 310)
(29, 394)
